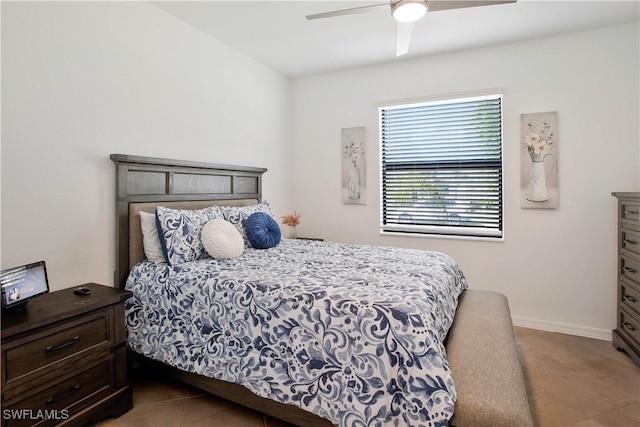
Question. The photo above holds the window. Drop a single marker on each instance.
(442, 167)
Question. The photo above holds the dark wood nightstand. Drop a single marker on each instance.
(64, 359)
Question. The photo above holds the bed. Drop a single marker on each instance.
(295, 330)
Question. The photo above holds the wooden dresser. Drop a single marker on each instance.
(64, 359)
(626, 336)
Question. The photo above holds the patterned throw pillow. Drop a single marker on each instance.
(262, 230)
(236, 215)
(221, 239)
(179, 232)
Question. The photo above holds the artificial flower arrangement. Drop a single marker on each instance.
(292, 220)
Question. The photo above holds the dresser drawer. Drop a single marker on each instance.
(37, 354)
(629, 326)
(630, 297)
(630, 214)
(630, 269)
(630, 243)
(62, 400)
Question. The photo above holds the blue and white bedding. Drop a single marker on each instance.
(354, 334)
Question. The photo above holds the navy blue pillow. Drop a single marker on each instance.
(263, 232)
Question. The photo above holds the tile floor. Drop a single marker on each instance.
(579, 382)
(571, 381)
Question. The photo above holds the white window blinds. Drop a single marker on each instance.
(442, 167)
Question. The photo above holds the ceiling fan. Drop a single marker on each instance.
(407, 12)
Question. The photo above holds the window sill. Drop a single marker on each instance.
(443, 236)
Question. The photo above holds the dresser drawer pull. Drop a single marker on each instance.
(630, 242)
(630, 298)
(631, 212)
(630, 270)
(71, 391)
(71, 342)
(629, 326)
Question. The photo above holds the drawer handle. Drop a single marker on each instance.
(630, 242)
(630, 298)
(71, 391)
(630, 270)
(631, 212)
(629, 326)
(71, 342)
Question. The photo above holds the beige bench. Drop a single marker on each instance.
(483, 357)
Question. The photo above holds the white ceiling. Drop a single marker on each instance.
(277, 33)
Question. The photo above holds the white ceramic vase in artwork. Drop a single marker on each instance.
(354, 181)
(537, 191)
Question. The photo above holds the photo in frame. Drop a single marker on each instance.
(354, 156)
(539, 160)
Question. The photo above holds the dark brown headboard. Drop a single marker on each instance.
(148, 182)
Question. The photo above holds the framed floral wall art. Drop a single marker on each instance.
(354, 151)
(539, 160)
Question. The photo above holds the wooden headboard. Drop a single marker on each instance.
(145, 182)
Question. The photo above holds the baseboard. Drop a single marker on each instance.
(564, 328)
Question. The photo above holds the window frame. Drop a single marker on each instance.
(445, 231)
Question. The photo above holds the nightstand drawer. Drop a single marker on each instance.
(61, 401)
(57, 345)
(630, 326)
(630, 269)
(630, 243)
(630, 297)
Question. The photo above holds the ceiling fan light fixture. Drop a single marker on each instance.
(408, 10)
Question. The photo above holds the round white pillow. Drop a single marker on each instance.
(221, 239)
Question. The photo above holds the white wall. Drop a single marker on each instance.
(82, 80)
(557, 267)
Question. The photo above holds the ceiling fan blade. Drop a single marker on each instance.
(403, 37)
(435, 5)
(352, 11)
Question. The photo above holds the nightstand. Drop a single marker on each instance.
(64, 359)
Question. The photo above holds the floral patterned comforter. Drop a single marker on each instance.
(351, 333)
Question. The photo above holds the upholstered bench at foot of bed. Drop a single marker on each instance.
(483, 357)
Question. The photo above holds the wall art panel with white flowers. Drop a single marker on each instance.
(354, 155)
(539, 160)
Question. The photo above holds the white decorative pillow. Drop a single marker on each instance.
(221, 239)
(179, 232)
(150, 239)
(236, 215)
